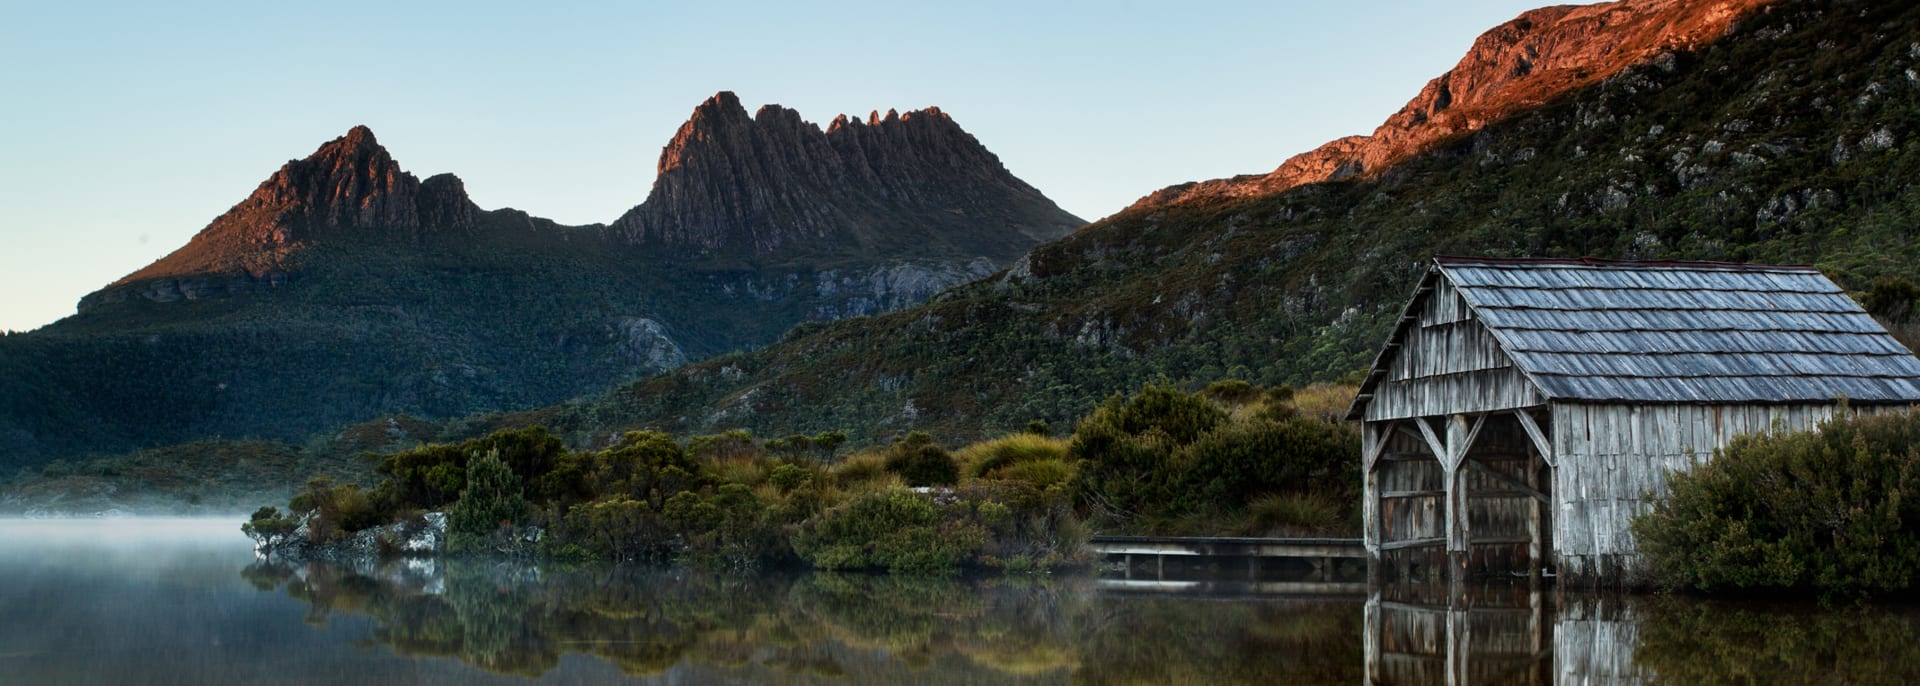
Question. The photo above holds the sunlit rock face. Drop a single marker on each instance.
(1539, 56)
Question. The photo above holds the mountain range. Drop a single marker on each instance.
(345, 288)
(1731, 130)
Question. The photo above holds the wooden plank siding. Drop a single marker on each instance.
(1613, 457)
(1449, 363)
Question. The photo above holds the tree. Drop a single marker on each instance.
(268, 528)
(492, 502)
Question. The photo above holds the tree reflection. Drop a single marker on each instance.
(1686, 641)
(827, 628)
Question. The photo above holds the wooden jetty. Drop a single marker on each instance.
(1233, 565)
(1522, 411)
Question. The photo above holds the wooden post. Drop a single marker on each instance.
(1539, 475)
(1535, 547)
(1459, 642)
(1458, 549)
(1371, 439)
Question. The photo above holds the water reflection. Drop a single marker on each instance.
(1516, 634)
(120, 602)
(818, 628)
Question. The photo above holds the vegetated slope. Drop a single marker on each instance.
(1790, 139)
(344, 288)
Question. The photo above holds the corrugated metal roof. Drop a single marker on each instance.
(1695, 332)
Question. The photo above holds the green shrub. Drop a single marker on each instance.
(1164, 461)
(730, 527)
(1293, 514)
(921, 462)
(491, 503)
(787, 477)
(1834, 510)
(985, 458)
(861, 468)
(893, 529)
(1039, 473)
(1231, 391)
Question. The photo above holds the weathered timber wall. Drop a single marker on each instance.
(1448, 364)
(1611, 458)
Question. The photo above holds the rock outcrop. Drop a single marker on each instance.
(1541, 55)
(773, 184)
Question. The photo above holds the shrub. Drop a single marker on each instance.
(1164, 461)
(729, 527)
(893, 529)
(921, 462)
(1293, 514)
(1834, 510)
(1231, 391)
(333, 511)
(988, 457)
(492, 502)
(862, 468)
(787, 477)
(1039, 473)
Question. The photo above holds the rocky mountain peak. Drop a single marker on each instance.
(1521, 64)
(775, 184)
(350, 184)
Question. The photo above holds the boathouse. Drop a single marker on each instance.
(1522, 410)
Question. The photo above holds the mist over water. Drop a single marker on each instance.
(162, 601)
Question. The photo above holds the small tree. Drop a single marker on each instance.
(268, 528)
(491, 502)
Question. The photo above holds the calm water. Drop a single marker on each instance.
(148, 602)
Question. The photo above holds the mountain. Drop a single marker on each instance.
(1541, 55)
(345, 288)
(774, 185)
(1700, 130)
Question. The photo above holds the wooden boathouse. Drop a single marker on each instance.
(1523, 409)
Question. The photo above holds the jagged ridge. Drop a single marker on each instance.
(772, 182)
(1537, 57)
(350, 183)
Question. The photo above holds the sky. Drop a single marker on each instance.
(126, 127)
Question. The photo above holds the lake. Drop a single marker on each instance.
(185, 602)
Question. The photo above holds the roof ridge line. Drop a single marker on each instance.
(1525, 262)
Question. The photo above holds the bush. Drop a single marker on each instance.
(1293, 514)
(921, 462)
(333, 511)
(986, 458)
(491, 503)
(893, 529)
(1837, 510)
(730, 527)
(1164, 461)
(862, 468)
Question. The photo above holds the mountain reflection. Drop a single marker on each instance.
(681, 626)
(826, 628)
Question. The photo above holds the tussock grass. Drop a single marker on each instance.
(984, 460)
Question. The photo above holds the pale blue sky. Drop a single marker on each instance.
(125, 128)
